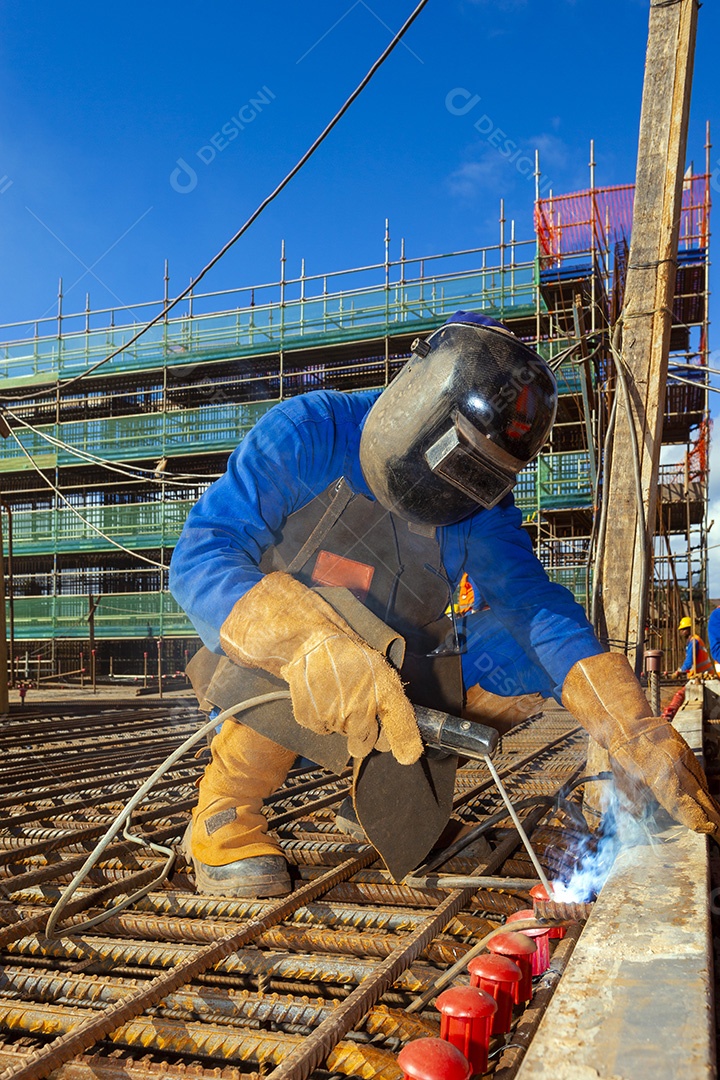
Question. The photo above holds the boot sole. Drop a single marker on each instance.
(258, 888)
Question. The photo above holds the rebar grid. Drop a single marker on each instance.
(207, 980)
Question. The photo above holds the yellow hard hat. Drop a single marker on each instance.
(685, 624)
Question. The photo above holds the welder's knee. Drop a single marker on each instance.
(501, 713)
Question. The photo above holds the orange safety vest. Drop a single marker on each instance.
(703, 662)
(464, 599)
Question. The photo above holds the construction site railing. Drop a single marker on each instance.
(276, 315)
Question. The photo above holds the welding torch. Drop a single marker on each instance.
(466, 738)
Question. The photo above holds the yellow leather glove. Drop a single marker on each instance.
(646, 751)
(337, 681)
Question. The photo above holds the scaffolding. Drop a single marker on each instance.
(100, 474)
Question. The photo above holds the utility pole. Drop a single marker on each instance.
(625, 565)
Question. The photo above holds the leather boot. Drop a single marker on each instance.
(227, 840)
(501, 713)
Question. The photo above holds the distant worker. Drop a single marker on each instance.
(713, 629)
(394, 495)
(22, 691)
(696, 662)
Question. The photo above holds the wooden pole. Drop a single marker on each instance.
(647, 314)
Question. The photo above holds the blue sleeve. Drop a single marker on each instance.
(291, 455)
(714, 634)
(689, 657)
(543, 617)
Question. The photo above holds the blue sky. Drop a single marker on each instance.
(101, 102)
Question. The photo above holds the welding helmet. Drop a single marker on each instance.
(471, 408)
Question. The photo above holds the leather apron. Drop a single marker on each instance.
(344, 542)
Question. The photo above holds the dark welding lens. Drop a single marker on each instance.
(468, 471)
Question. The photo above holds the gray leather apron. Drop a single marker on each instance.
(342, 541)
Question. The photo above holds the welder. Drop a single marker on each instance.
(394, 495)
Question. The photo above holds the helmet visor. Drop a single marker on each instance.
(471, 462)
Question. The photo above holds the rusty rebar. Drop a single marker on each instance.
(214, 1004)
(251, 963)
(386, 894)
(315, 1049)
(301, 939)
(563, 909)
(301, 1062)
(198, 1040)
(100, 1067)
(68, 866)
(67, 1046)
(190, 905)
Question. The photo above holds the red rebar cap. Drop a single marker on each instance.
(528, 913)
(512, 944)
(433, 1059)
(466, 1002)
(494, 967)
(539, 892)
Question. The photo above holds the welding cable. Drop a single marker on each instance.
(123, 821)
(552, 802)
(132, 471)
(692, 382)
(696, 367)
(89, 524)
(566, 354)
(566, 789)
(255, 214)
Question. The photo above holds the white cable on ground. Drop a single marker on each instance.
(123, 820)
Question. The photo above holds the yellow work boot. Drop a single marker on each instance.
(227, 840)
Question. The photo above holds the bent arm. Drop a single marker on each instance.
(542, 616)
(291, 455)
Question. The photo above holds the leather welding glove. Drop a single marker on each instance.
(337, 681)
(646, 751)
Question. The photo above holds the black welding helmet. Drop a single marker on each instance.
(470, 409)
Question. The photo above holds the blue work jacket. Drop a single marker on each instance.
(526, 639)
